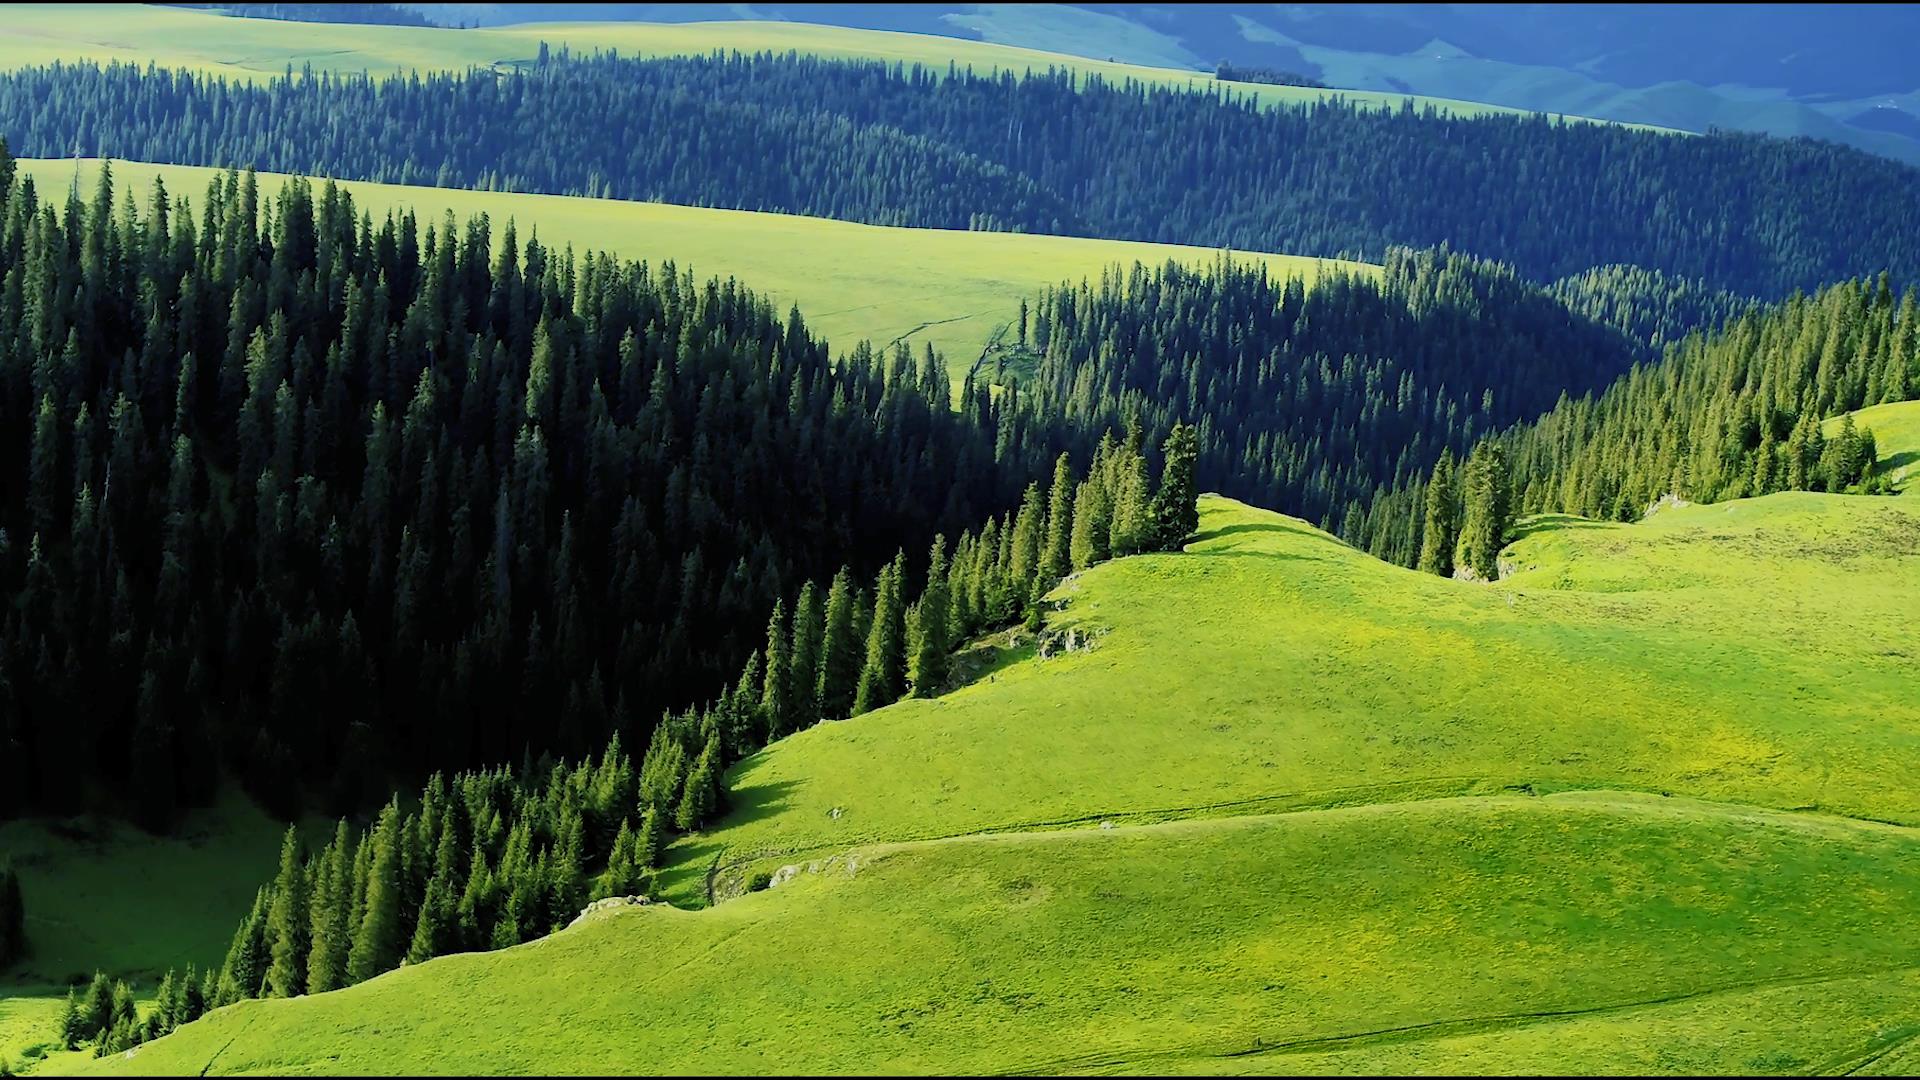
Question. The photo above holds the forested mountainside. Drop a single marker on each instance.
(1724, 415)
(1747, 214)
(324, 499)
(1313, 396)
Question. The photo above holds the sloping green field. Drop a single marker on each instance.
(256, 48)
(851, 282)
(1307, 941)
(1644, 805)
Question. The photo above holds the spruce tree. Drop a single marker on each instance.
(377, 942)
(808, 616)
(1483, 528)
(1176, 505)
(1056, 554)
(1133, 524)
(882, 679)
(245, 969)
(1440, 532)
(329, 932)
(777, 698)
(289, 922)
(927, 663)
(839, 651)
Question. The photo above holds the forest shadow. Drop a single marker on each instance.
(1551, 523)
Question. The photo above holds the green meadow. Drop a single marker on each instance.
(257, 48)
(1639, 806)
(957, 290)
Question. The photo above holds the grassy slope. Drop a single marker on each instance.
(1427, 915)
(1144, 947)
(252, 48)
(104, 896)
(851, 281)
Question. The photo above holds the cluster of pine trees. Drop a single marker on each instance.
(494, 858)
(1313, 397)
(849, 650)
(486, 861)
(1723, 416)
(328, 502)
(1047, 152)
(106, 1013)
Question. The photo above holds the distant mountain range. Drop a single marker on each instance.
(1842, 71)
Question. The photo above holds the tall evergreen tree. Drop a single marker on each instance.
(1440, 533)
(928, 642)
(840, 655)
(1483, 528)
(1176, 505)
(289, 922)
(377, 943)
(883, 678)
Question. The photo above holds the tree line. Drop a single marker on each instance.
(496, 857)
(1726, 415)
(1312, 397)
(1044, 152)
(323, 502)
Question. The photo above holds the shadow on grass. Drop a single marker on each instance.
(1552, 523)
(1895, 462)
(1246, 528)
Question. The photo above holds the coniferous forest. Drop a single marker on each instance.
(300, 490)
(895, 145)
(1075, 714)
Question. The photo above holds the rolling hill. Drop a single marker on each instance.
(1292, 809)
(256, 48)
(853, 282)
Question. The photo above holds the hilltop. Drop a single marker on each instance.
(1291, 801)
(956, 290)
(258, 48)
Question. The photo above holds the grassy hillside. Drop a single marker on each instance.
(851, 281)
(1299, 939)
(1272, 667)
(252, 48)
(1294, 811)
(102, 895)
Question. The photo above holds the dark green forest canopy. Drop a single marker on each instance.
(887, 144)
(1311, 397)
(325, 500)
(1724, 415)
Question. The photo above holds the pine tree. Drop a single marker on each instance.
(1440, 533)
(245, 969)
(329, 932)
(927, 662)
(377, 942)
(777, 697)
(808, 616)
(1483, 528)
(96, 1008)
(698, 800)
(1133, 522)
(289, 922)
(1176, 507)
(882, 679)
(839, 651)
(73, 1025)
(1057, 554)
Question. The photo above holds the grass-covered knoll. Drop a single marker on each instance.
(257, 48)
(852, 282)
(1756, 651)
(1167, 946)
